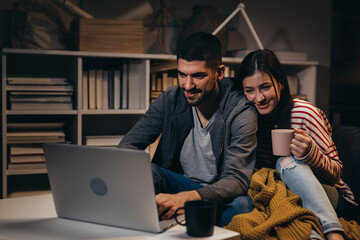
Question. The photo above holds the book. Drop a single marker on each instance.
(136, 91)
(175, 81)
(85, 90)
(121, 86)
(117, 89)
(111, 89)
(155, 94)
(29, 149)
(125, 85)
(158, 84)
(105, 90)
(68, 88)
(34, 136)
(153, 81)
(33, 158)
(41, 93)
(98, 87)
(104, 141)
(36, 140)
(22, 140)
(140, 66)
(41, 106)
(165, 83)
(92, 89)
(36, 125)
(23, 166)
(170, 82)
(35, 133)
(36, 81)
(227, 71)
(44, 98)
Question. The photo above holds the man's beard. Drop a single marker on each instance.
(201, 99)
(193, 101)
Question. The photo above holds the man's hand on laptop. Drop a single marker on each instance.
(168, 203)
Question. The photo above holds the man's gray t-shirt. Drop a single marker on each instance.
(197, 157)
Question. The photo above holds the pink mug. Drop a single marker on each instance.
(281, 140)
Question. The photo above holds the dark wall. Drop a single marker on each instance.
(326, 30)
(345, 63)
(299, 26)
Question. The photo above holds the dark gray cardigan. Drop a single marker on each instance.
(233, 138)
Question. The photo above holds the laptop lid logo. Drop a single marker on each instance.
(98, 186)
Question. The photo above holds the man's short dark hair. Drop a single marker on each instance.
(201, 46)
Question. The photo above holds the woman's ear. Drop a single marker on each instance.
(281, 86)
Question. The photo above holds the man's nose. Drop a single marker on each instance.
(189, 83)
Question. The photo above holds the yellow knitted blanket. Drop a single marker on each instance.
(277, 213)
(351, 229)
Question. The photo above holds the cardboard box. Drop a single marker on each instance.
(108, 35)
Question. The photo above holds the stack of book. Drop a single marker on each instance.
(25, 144)
(161, 81)
(29, 156)
(103, 141)
(105, 89)
(34, 93)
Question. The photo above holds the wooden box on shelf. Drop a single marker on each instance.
(108, 35)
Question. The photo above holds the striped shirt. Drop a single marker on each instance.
(323, 157)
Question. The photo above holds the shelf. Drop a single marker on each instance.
(75, 112)
(284, 62)
(78, 122)
(89, 54)
(131, 56)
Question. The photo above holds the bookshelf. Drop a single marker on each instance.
(302, 72)
(80, 121)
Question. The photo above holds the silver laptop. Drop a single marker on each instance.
(108, 186)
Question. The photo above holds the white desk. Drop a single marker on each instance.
(35, 218)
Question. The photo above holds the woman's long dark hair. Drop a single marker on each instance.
(265, 61)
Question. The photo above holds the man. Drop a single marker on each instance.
(207, 146)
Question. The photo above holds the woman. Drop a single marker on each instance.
(314, 158)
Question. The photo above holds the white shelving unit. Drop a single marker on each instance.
(304, 70)
(80, 123)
